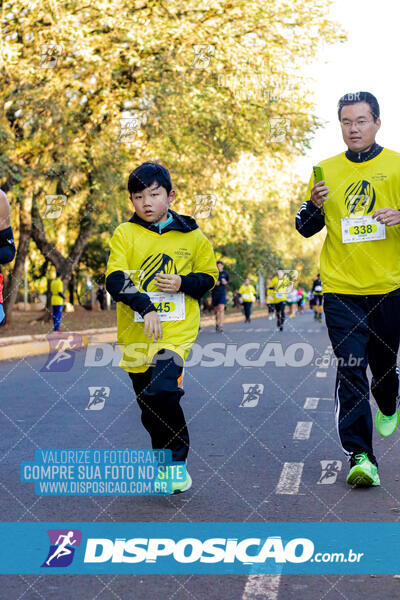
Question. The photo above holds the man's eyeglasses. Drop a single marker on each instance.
(359, 123)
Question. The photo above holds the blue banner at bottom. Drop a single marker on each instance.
(190, 548)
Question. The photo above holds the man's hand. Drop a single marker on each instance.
(152, 325)
(319, 194)
(387, 216)
(168, 283)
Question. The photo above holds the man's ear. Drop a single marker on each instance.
(378, 123)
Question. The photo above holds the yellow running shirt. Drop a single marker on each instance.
(279, 293)
(357, 190)
(55, 287)
(142, 254)
(248, 293)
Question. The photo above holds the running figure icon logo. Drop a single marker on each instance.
(251, 394)
(330, 471)
(62, 351)
(98, 396)
(62, 547)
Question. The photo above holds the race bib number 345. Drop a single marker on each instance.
(170, 307)
(362, 229)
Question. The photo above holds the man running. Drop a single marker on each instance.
(279, 285)
(318, 298)
(360, 269)
(218, 296)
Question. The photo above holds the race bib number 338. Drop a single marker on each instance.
(170, 307)
(362, 229)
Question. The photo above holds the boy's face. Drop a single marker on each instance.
(152, 203)
(247, 281)
(220, 266)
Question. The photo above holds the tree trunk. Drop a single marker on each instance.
(15, 276)
(48, 313)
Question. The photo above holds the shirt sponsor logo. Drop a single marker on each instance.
(359, 198)
(154, 264)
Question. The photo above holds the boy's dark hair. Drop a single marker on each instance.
(220, 262)
(144, 176)
(58, 273)
(357, 97)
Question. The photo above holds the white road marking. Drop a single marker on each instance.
(320, 374)
(289, 481)
(262, 586)
(303, 430)
(311, 403)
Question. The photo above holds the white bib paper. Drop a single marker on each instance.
(362, 229)
(170, 307)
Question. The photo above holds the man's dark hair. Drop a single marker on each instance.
(58, 273)
(357, 97)
(220, 262)
(148, 173)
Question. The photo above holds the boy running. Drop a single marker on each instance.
(160, 265)
(248, 296)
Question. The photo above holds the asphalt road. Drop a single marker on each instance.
(254, 457)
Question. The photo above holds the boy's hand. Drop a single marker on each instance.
(168, 283)
(152, 325)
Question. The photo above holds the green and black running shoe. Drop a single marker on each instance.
(363, 472)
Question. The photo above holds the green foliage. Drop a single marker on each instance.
(200, 82)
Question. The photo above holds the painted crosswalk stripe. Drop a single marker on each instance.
(303, 430)
(262, 586)
(289, 481)
(321, 374)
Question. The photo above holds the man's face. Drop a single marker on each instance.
(152, 203)
(247, 281)
(220, 266)
(358, 126)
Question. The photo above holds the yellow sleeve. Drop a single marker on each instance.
(204, 259)
(117, 260)
(274, 281)
(241, 290)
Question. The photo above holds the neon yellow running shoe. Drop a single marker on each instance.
(385, 425)
(363, 472)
